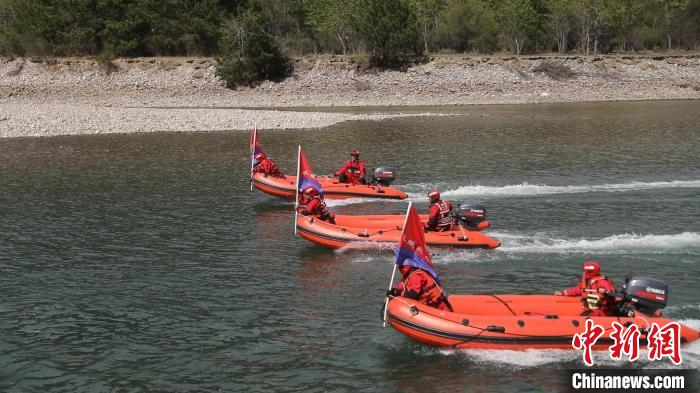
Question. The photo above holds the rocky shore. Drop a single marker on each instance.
(67, 96)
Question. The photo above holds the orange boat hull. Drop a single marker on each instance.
(336, 236)
(513, 322)
(384, 221)
(285, 187)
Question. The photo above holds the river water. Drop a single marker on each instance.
(144, 263)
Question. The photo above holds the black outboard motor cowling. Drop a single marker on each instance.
(383, 176)
(470, 215)
(647, 295)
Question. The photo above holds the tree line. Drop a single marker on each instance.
(252, 39)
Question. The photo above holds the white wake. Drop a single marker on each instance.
(614, 244)
(526, 189)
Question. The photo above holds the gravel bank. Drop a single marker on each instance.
(79, 96)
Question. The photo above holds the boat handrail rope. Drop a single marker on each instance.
(399, 298)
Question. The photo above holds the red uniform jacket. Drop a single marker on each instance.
(594, 285)
(268, 167)
(421, 286)
(353, 170)
(315, 207)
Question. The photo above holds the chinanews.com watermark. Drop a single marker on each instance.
(662, 342)
(632, 380)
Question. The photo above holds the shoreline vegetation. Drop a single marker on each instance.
(86, 67)
(74, 96)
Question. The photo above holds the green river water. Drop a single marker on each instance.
(144, 263)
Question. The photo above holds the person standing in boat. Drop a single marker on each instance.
(440, 214)
(594, 288)
(419, 285)
(353, 171)
(313, 204)
(264, 164)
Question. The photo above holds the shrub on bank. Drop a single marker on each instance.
(249, 54)
(556, 70)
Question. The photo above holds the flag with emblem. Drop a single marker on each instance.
(254, 144)
(412, 250)
(305, 175)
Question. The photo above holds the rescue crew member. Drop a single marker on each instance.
(264, 164)
(419, 285)
(353, 171)
(440, 215)
(595, 289)
(312, 204)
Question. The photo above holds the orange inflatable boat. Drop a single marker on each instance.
(509, 322)
(336, 236)
(285, 187)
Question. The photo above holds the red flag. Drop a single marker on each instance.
(254, 144)
(253, 141)
(412, 250)
(306, 176)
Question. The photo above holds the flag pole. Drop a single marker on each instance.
(393, 271)
(252, 149)
(296, 197)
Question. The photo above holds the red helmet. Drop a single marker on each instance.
(355, 153)
(310, 191)
(591, 269)
(260, 156)
(434, 195)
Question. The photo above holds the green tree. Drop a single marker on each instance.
(117, 27)
(331, 20)
(467, 25)
(588, 24)
(689, 26)
(286, 21)
(426, 12)
(673, 12)
(621, 17)
(519, 23)
(388, 27)
(561, 20)
(8, 38)
(171, 27)
(249, 53)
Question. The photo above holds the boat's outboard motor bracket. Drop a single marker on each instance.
(470, 215)
(647, 295)
(383, 176)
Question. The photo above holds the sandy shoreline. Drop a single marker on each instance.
(80, 96)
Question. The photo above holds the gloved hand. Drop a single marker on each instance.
(557, 293)
(392, 292)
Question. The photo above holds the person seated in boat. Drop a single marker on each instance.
(312, 204)
(440, 216)
(264, 164)
(595, 289)
(419, 285)
(353, 171)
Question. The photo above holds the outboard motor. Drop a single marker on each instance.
(470, 215)
(383, 176)
(647, 295)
